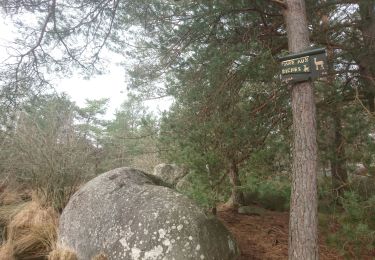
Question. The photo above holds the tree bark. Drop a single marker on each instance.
(303, 235)
(237, 198)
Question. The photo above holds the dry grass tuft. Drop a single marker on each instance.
(6, 252)
(12, 200)
(9, 196)
(62, 254)
(7, 212)
(32, 232)
(100, 256)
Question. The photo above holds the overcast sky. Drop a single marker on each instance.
(111, 85)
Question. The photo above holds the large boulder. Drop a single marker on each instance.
(126, 214)
(170, 173)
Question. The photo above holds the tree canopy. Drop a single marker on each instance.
(231, 116)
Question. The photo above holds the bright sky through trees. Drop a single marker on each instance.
(111, 84)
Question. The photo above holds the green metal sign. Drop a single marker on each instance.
(304, 66)
(299, 65)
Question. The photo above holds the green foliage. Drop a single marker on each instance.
(91, 124)
(327, 201)
(272, 193)
(355, 235)
(364, 186)
(131, 138)
(201, 190)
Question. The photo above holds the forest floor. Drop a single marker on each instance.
(264, 236)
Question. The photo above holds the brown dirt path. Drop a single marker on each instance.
(264, 237)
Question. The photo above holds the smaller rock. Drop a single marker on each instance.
(251, 211)
(170, 173)
(184, 183)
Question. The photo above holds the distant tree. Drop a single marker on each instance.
(131, 137)
(91, 126)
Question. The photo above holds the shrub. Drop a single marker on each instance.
(272, 193)
(47, 155)
(355, 234)
(363, 186)
(201, 191)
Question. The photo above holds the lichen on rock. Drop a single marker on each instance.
(126, 215)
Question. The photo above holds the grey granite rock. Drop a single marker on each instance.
(125, 215)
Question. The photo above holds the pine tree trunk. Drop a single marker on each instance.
(236, 199)
(303, 235)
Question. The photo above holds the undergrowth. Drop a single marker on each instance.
(271, 193)
(204, 193)
(352, 226)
